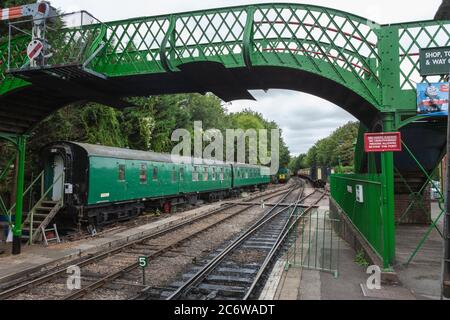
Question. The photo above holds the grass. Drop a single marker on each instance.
(360, 259)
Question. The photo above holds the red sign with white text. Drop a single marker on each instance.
(383, 142)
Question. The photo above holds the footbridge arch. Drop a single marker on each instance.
(368, 69)
(357, 64)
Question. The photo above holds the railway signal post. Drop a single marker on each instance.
(39, 12)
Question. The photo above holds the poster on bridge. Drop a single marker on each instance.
(432, 99)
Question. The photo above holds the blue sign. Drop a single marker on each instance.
(432, 99)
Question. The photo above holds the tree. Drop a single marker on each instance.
(311, 157)
(338, 148)
(298, 163)
(248, 119)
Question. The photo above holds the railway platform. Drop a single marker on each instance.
(423, 273)
(418, 280)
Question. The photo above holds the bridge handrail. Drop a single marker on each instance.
(228, 13)
(340, 46)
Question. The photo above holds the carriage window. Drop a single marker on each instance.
(181, 174)
(121, 172)
(222, 176)
(205, 176)
(143, 173)
(195, 174)
(155, 174)
(246, 174)
(174, 174)
(214, 174)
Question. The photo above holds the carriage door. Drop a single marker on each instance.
(58, 168)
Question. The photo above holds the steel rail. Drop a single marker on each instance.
(278, 244)
(48, 276)
(99, 283)
(199, 276)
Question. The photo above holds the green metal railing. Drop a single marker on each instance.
(27, 191)
(366, 216)
(380, 63)
(315, 242)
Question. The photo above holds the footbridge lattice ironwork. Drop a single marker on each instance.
(368, 69)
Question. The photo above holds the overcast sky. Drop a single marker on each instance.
(291, 110)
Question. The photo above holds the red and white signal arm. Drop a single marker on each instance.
(35, 49)
(39, 11)
(383, 142)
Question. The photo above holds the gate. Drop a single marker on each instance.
(315, 242)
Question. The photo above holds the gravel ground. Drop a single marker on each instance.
(163, 270)
(245, 256)
(226, 235)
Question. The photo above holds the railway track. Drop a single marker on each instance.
(104, 268)
(235, 272)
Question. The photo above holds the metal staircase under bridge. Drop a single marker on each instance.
(41, 212)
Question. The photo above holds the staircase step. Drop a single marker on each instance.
(44, 208)
(40, 215)
(50, 202)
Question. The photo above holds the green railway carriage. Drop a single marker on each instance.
(245, 175)
(105, 184)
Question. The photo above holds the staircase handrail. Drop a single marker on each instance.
(9, 212)
(39, 202)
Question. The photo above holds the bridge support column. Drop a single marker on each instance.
(387, 173)
(20, 176)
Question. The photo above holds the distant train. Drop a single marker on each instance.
(284, 175)
(105, 184)
(317, 176)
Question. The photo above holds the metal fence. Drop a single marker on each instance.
(69, 40)
(360, 197)
(315, 243)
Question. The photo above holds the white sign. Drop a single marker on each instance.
(68, 188)
(349, 189)
(34, 49)
(359, 193)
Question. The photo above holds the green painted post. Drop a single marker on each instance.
(387, 176)
(17, 230)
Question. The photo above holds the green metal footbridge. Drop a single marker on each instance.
(368, 69)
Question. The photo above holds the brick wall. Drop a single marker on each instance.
(416, 215)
